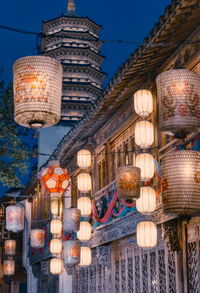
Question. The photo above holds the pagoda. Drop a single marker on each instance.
(74, 41)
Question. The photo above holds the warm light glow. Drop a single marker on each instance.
(84, 182)
(37, 238)
(144, 134)
(10, 247)
(84, 205)
(71, 219)
(146, 163)
(54, 207)
(55, 246)
(84, 159)
(71, 252)
(86, 256)
(146, 203)
(143, 102)
(8, 267)
(56, 266)
(146, 234)
(85, 231)
(15, 218)
(56, 226)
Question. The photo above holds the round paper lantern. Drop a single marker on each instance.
(181, 182)
(143, 102)
(37, 238)
(86, 256)
(84, 159)
(56, 266)
(84, 205)
(146, 234)
(56, 226)
(144, 134)
(146, 203)
(37, 91)
(56, 246)
(71, 219)
(8, 267)
(84, 182)
(71, 252)
(178, 102)
(128, 182)
(15, 218)
(85, 231)
(146, 163)
(10, 247)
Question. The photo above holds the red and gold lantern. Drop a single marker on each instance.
(37, 238)
(15, 218)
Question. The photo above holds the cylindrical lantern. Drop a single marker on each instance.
(181, 182)
(15, 218)
(146, 163)
(146, 234)
(146, 203)
(178, 101)
(71, 252)
(37, 91)
(10, 247)
(84, 182)
(85, 232)
(56, 246)
(37, 238)
(84, 205)
(56, 266)
(144, 134)
(56, 226)
(71, 219)
(128, 182)
(84, 159)
(8, 267)
(86, 256)
(54, 207)
(143, 102)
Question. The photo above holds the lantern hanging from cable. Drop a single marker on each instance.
(146, 203)
(84, 205)
(54, 207)
(84, 159)
(37, 91)
(144, 134)
(84, 182)
(56, 226)
(143, 102)
(37, 238)
(10, 247)
(178, 102)
(146, 163)
(56, 266)
(85, 232)
(15, 218)
(56, 246)
(8, 267)
(71, 219)
(85, 256)
(146, 234)
(71, 252)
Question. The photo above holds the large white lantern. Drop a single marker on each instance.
(10, 247)
(146, 203)
(37, 238)
(56, 226)
(71, 219)
(56, 246)
(146, 163)
(144, 134)
(37, 91)
(84, 182)
(84, 205)
(71, 252)
(143, 102)
(85, 232)
(15, 218)
(55, 207)
(56, 266)
(146, 234)
(9, 267)
(84, 159)
(86, 256)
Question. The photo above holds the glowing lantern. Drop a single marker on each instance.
(143, 102)
(56, 266)
(37, 91)
(84, 159)
(15, 218)
(84, 205)
(146, 234)
(10, 247)
(71, 219)
(144, 134)
(37, 238)
(56, 246)
(178, 101)
(85, 231)
(146, 203)
(56, 226)
(9, 267)
(71, 252)
(54, 207)
(86, 256)
(146, 163)
(84, 182)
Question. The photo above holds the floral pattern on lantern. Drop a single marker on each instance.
(85, 232)
(8, 267)
(143, 102)
(71, 252)
(84, 159)
(146, 203)
(71, 219)
(144, 134)
(37, 238)
(84, 205)
(146, 163)
(15, 218)
(56, 226)
(56, 246)
(146, 234)
(84, 182)
(56, 266)
(86, 256)
(10, 247)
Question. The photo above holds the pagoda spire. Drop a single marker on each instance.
(71, 6)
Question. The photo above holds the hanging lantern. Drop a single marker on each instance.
(37, 238)
(37, 91)
(10, 247)
(84, 159)
(15, 218)
(144, 134)
(86, 256)
(85, 232)
(56, 246)
(181, 182)
(55, 207)
(71, 252)
(128, 182)
(71, 219)
(178, 102)
(146, 235)
(146, 163)
(84, 205)
(54, 178)
(147, 201)
(56, 226)
(56, 266)
(143, 102)
(8, 267)
(84, 182)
